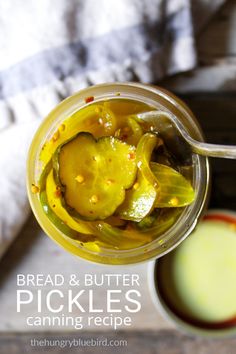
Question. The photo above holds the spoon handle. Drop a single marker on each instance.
(160, 119)
(211, 150)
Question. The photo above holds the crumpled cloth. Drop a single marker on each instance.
(51, 49)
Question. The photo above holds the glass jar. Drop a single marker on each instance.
(159, 99)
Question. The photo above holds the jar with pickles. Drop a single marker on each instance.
(106, 185)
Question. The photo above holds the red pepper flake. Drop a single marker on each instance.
(89, 99)
(57, 192)
(131, 156)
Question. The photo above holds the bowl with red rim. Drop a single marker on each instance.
(194, 286)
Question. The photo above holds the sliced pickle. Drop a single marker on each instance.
(55, 203)
(139, 201)
(148, 220)
(126, 107)
(95, 234)
(95, 174)
(175, 190)
(123, 239)
(95, 119)
(91, 234)
(137, 236)
(165, 218)
(131, 132)
(55, 219)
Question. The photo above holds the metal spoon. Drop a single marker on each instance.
(158, 120)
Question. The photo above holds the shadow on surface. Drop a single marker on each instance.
(216, 115)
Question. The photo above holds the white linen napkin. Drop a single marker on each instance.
(14, 206)
(51, 49)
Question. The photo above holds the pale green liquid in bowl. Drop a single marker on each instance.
(198, 279)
